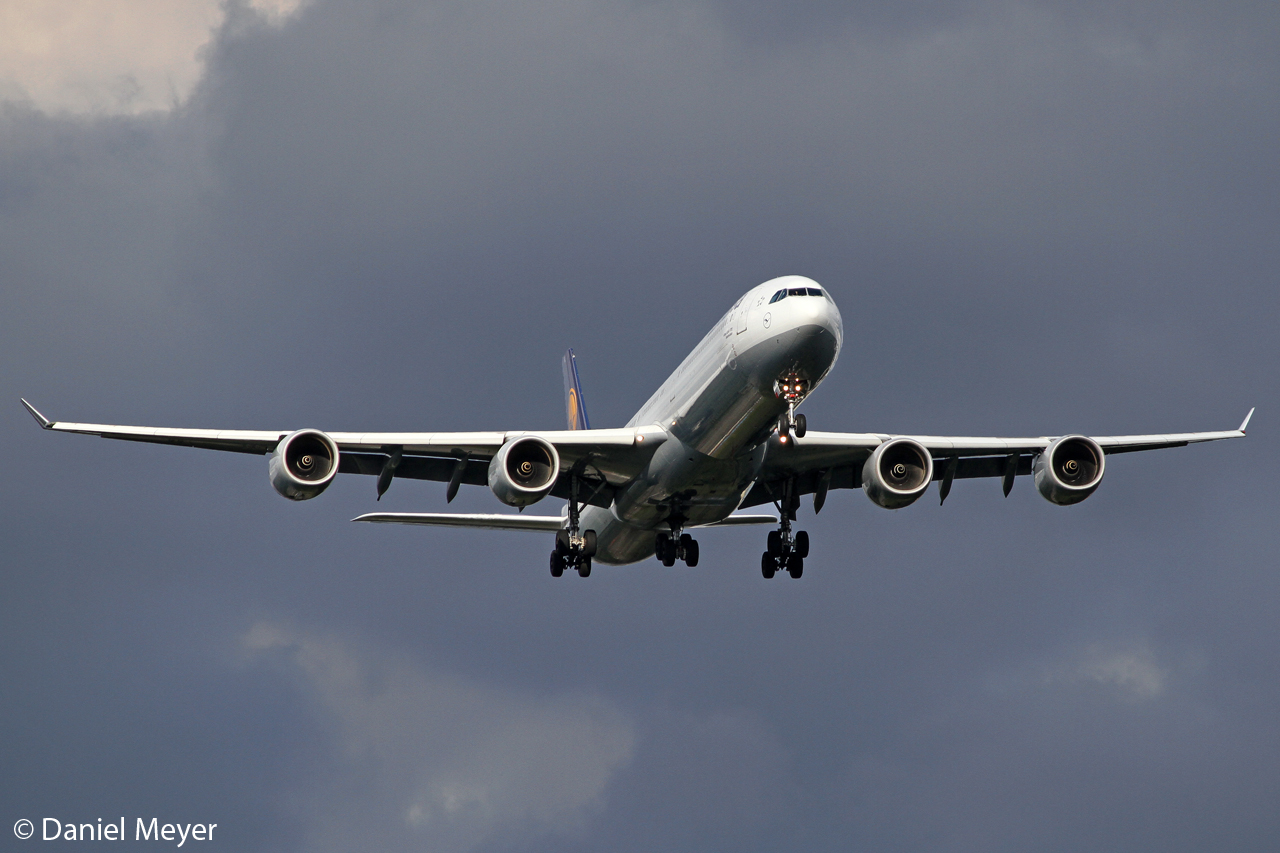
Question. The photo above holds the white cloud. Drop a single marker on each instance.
(1131, 672)
(108, 56)
(434, 759)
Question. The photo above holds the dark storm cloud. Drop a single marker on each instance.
(1034, 217)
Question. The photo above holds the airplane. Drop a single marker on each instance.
(720, 435)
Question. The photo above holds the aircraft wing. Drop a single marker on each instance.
(618, 455)
(834, 460)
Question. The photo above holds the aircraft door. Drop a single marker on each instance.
(743, 307)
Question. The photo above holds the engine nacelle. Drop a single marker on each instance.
(897, 473)
(524, 470)
(303, 464)
(1069, 469)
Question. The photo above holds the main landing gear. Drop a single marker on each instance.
(786, 552)
(669, 547)
(574, 547)
(573, 553)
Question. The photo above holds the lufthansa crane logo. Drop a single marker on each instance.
(573, 408)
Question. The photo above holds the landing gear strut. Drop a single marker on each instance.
(574, 547)
(785, 551)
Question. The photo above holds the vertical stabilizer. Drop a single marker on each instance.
(574, 407)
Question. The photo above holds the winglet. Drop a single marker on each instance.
(1243, 425)
(45, 423)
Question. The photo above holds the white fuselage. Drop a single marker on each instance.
(717, 410)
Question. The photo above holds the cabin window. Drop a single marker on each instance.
(781, 294)
(796, 291)
(813, 291)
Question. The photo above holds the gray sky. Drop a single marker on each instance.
(1036, 218)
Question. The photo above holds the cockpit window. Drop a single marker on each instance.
(796, 291)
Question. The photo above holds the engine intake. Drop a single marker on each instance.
(303, 464)
(897, 473)
(1070, 469)
(524, 470)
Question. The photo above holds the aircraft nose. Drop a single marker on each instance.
(832, 321)
(821, 313)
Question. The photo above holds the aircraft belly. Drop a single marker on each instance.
(617, 542)
(679, 475)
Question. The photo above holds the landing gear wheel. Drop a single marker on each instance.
(589, 543)
(774, 546)
(768, 565)
(801, 426)
(584, 567)
(666, 549)
(795, 565)
(557, 564)
(802, 544)
(562, 542)
(691, 553)
(660, 547)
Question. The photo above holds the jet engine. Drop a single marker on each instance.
(303, 464)
(897, 473)
(1069, 470)
(524, 470)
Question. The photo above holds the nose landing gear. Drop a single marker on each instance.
(792, 388)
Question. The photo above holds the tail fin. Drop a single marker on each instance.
(573, 403)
